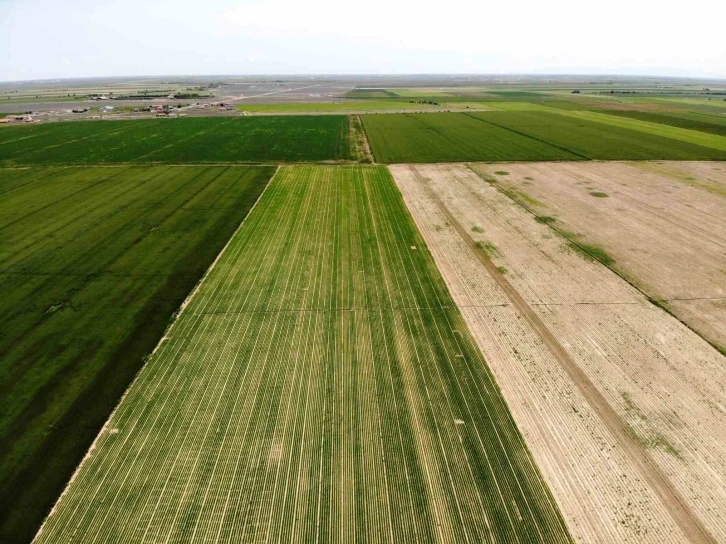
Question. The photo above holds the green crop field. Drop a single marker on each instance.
(614, 138)
(93, 264)
(712, 124)
(321, 386)
(175, 141)
(441, 137)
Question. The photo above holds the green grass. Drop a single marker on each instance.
(582, 133)
(321, 386)
(174, 141)
(599, 194)
(93, 264)
(441, 137)
(589, 251)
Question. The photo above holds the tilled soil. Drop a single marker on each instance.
(663, 223)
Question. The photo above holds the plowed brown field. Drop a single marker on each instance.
(621, 405)
(664, 224)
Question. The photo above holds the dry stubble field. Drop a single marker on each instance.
(664, 224)
(320, 386)
(620, 404)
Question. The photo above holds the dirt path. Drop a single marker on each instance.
(359, 140)
(366, 147)
(653, 474)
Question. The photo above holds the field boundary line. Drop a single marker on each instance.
(655, 301)
(657, 479)
(175, 315)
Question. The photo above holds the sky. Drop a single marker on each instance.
(44, 39)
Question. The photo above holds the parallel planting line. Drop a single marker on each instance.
(320, 386)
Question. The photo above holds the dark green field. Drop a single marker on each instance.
(93, 264)
(177, 141)
(517, 136)
(370, 93)
(445, 137)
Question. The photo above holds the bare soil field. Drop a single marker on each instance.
(621, 404)
(663, 223)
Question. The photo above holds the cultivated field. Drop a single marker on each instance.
(620, 404)
(93, 264)
(594, 135)
(321, 386)
(663, 224)
(444, 137)
(714, 124)
(176, 141)
(528, 133)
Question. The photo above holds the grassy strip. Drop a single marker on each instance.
(174, 141)
(95, 262)
(334, 107)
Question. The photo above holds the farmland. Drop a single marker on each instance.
(662, 224)
(611, 393)
(175, 141)
(93, 264)
(321, 386)
(597, 136)
(444, 137)
(691, 120)
(527, 135)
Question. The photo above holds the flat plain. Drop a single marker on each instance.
(321, 386)
(662, 224)
(445, 137)
(532, 132)
(620, 404)
(178, 141)
(93, 264)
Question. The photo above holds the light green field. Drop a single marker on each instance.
(657, 129)
(321, 386)
(716, 101)
(337, 107)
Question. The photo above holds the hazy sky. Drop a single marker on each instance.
(76, 38)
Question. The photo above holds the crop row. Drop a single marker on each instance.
(527, 136)
(93, 263)
(175, 141)
(321, 386)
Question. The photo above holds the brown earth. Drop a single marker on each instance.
(664, 224)
(621, 405)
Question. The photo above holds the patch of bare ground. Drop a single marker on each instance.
(663, 224)
(621, 405)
